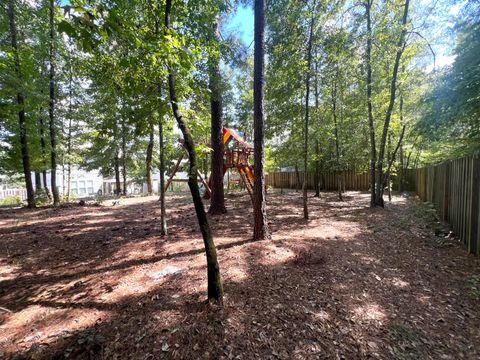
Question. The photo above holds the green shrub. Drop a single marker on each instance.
(11, 201)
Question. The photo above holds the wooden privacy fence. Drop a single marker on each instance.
(351, 180)
(453, 187)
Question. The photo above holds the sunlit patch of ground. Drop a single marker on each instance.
(350, 282)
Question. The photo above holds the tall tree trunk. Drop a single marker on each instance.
(393, 88)
(217, 202)
(69, 131)
(215, 287)
(337, 140)
(51, 109)
(317, 142)
(21, 113)
(307, 115)
(117, 174)
(43, 146)
(163, 213)
(162, 190)
(149, 158)
(371, 125)
(260, 226)
(124, 158)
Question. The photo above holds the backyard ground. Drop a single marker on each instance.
(97, 282)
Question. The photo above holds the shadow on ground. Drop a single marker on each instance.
(351, 282)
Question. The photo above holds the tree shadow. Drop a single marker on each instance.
(379, 289)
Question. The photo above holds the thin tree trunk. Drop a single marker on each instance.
(317, 168)
(149, 158)
(307, 115)
(260, 227)
(337, 141)
(215, 287)
(217, 202)
(117, 174)
(38, 182)
(124, 158)
(389, 156)
(297, 175)
(371, 125)
(317, 143)
(402, 170)
(51, 109)
(69, 133)
(162, 190)
(393, 88)
(21, 113)
(43, 146)
(163, 213)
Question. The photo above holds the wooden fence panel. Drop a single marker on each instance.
(454, 188)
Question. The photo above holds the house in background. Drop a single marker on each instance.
(83, 183)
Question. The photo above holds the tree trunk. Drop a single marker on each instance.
(337, 140)
(69, 133)
(297, 175)
(389, 156)
(393, 87)
(162, 190)
(148, 160)
(51, 109)
(215, 287)
(307, 116)
(21, 113)
(317, 143)
(371, 125)
(124, 158)
(44, 156)
(217, 202)
(38, 181)
(163, 213)
(317, 168)
(260, 227)
(117, 174)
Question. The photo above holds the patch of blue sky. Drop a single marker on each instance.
(241, 24)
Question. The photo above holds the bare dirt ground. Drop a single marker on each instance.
(350, 283)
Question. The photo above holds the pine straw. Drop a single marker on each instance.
(351, 283)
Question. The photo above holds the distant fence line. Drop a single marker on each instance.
(452, 186)
(5, 193)
(351, 180)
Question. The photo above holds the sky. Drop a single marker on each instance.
(241, 22)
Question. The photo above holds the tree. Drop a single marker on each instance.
(307, 111)
(51, 108)
(379, 179)
(149, 158)
(21, 108)
(217, 202)
(260, 226)
(215, 287)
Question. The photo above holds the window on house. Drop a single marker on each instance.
(73, 187)
(90, 187)
(81, 188)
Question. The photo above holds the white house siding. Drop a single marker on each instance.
(83, 183)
